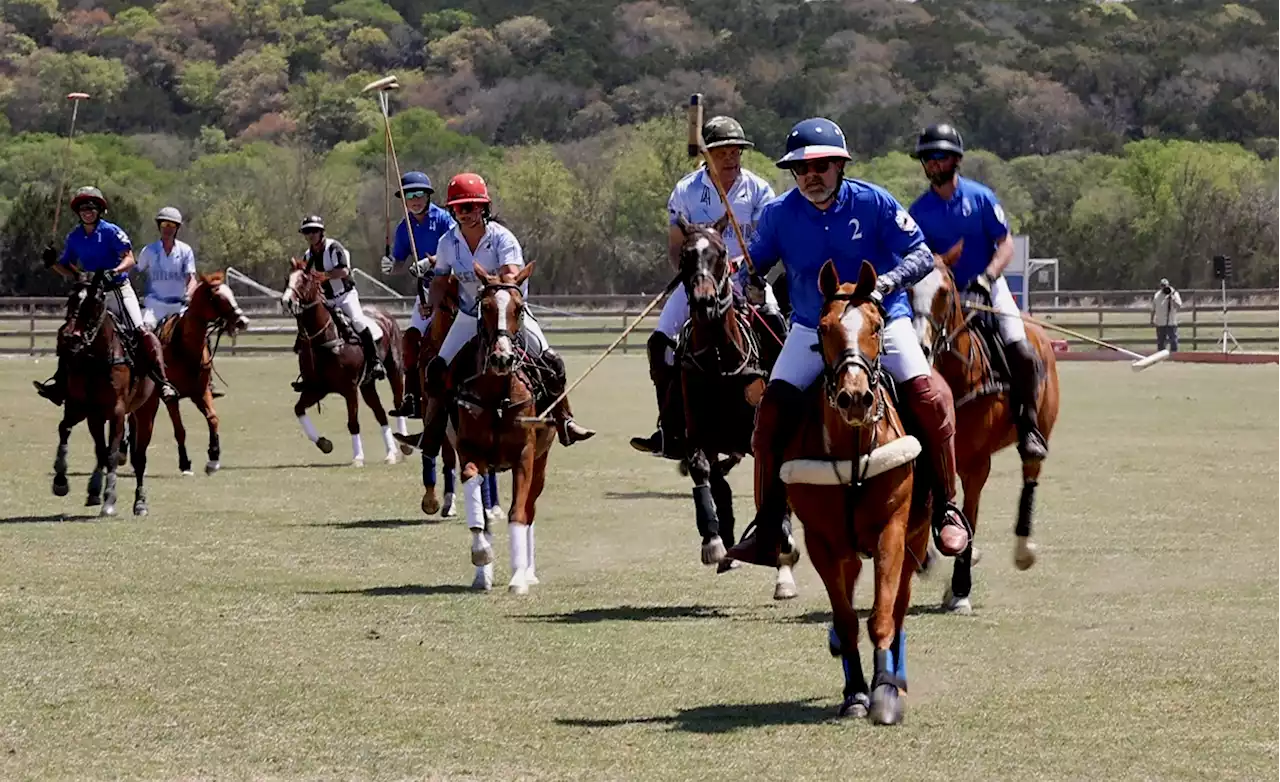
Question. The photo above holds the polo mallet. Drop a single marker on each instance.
(75, 98)
(1141, 362)
(383, 86)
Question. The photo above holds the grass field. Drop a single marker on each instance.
(294, 618)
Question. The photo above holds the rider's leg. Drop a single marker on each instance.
(418, 326)
(1024, 374)
(435, 413)
(779, 415)
(931, 404)
(372, 364)
(535, 341)
(349, 303)
(663, 373)
(124, 303)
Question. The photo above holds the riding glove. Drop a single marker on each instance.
(387, 264)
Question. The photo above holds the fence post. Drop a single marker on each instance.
(31, 310)
(628, 337)
(1100, 335)
(1195, 344)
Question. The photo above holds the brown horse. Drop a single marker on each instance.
(851, 482)
(104, 385)
(984, 413)
(722, 377)
(495, 385)
(189, 361)
(330, 363)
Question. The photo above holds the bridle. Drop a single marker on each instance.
(295, 306)
(723, 285)
(91, 292)
(853, 358)
(944, 340)
(489, 338)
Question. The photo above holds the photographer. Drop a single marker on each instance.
(1164, 316)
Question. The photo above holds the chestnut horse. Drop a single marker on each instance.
(329, 363)
(984, 413)
(495, 385)
(189, 361)
(722, 377)
(850, 480)
(105, 382)
(442, 309)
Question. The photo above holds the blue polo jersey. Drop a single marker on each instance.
(98, 251)
(426, 234)
(973, 214)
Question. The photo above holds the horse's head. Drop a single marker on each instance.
(86, 312)
(849, 337)
(214, 302)
(302, 292)
(936, 302)
(704, 269)
(501, 314)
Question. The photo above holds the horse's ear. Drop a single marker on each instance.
(297, 263)
(525, 273)
(488, 278)
(684, 225)
(828, 280)
(721, 224)
(950, 257)
(866, 281)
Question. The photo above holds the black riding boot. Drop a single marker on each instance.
(569, 430)
(436, 415)
(1025, 377)
(373, 368)
(55, 388)
(668, 439)
(778, 416)
(155, 352)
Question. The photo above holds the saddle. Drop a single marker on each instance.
(536, 374)
(346, 331)
(751, 364)
(986, 327)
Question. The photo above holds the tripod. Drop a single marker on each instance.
(1226, 332)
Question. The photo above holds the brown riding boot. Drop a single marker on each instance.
(777, 417)
(155, 353)
(930, 403)
(1025, 397)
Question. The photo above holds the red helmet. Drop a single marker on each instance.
(466, 189)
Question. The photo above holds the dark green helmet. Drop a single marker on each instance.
(724, 132)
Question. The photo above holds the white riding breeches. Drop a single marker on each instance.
(418, 320)
(1012, 329)
(349, 303)
(676, 311)
(464, 328)
(800, 363)
(131, 315)
(154, 310)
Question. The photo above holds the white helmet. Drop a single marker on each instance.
(169, 213)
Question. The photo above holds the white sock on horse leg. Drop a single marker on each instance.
(387, 439)
(308, 428)
(357, 448)
(530, 547)
(519, 534)
(402, 425)
(473, 503)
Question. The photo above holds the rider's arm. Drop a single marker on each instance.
(675, 239)
(900, 235)
(1001, 258)
(127, 262)
(997, 227)
(510, 255)
(189, 266)
(339, 271)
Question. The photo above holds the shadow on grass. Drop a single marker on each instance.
(404, 590)
(724, 718)
(378, 523)
(647, 495)
(630, 614)
(52, 518)
(312, 465)
(864, 614)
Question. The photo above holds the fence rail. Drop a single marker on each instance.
(28, 324)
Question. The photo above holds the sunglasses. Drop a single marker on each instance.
(88, 208)
(163, 223)
(309, 231)
(415, 194)
(816, 166)
(464, 209)
(935, 156)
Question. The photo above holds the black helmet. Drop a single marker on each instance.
(939, 138)
(311, 222)
(724, 132)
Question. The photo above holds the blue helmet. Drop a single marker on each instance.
(415, 180)
(813, 139)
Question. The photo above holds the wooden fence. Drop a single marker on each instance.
(28, 325)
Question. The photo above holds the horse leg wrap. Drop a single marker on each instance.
(1026, 503)
(705, 509)
(962, 574)
(722, 494)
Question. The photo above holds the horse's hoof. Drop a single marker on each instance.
(212, 466)
(518, 586)
(325, 445)
(531, 579)
(956, 605)
(406, 450)
(447, 508)
(713, 551)
(139, 509)
(1024, 554)
(92, 501)
(481, 551)
(886, 705)
(357, 462)
(483, 582)
(785, 587)
(855, 706)
(391, 458)
(108, 510)
(60, 486)
(728, 564)
(430, 505)
(187, 473)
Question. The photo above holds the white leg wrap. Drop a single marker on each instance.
(357, 449)
(473, 503)
(531, 573)
(387, 440)
(402, 425)
(308, 428)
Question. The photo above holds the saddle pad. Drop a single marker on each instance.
(374, 328)
(839, 472)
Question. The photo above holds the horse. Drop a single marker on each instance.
(189, 361)
(984, 413)
(496, 387)
(851, 482)
(104, 385)
(722, 379)
(330, 362)
(442, 309)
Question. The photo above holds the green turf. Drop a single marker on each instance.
(294, 618)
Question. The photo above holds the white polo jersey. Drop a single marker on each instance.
(332, 256)
(497, 248)
(167, 272)
(696, 198)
